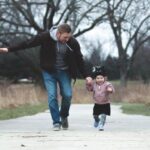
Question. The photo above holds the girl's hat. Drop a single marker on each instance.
(98, 70)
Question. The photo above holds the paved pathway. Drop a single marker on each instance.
(122, 132)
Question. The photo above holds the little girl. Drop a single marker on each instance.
(101, 89)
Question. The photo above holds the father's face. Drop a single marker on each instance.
(63, 37)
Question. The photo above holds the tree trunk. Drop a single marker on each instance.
(123, 80)
(123, 76)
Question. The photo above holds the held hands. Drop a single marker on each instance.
(89, 83)
(3, 50)
(89, 80)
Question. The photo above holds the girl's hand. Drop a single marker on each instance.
(109, 89)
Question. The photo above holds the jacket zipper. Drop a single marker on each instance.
(69, 47)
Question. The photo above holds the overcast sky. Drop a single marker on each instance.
(103, 34)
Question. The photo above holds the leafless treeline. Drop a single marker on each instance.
(130, 18)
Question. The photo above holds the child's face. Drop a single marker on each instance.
(100, 79)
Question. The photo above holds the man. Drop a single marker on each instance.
(60, 60)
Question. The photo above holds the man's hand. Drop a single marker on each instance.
(3, 50)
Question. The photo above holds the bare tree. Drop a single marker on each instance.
(140, 67)
(94, 55)
(131, 19)
(28, 17)
(21, 19)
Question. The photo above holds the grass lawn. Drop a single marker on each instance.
(128, 108)
(25, 110)
(136, 108)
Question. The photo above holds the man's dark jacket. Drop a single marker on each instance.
(73, 58)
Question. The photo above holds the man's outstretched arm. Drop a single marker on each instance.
(33, 42)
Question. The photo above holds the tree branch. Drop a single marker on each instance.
(28, 15)
(14, 23)
(136, 31)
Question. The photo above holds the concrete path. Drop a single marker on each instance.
(122, 132)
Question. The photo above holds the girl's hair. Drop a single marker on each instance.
(98, 70)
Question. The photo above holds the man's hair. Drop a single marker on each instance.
(64, 28)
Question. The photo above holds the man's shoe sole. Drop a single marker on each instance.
(64, 128)
(56, 129)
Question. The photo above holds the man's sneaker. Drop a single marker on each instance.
(56, 127)
(64, 123)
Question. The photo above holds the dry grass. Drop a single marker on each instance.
(14, 95)
(81, 95)
(135, 92)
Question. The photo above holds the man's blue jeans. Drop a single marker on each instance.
(64, 80)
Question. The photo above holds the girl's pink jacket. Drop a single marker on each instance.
(100, 93)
